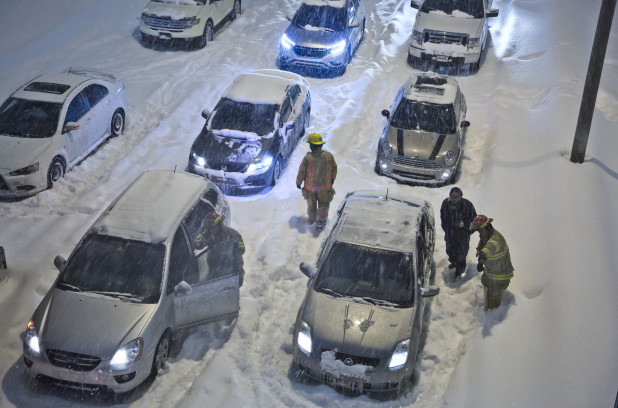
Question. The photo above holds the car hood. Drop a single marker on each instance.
(424, 145)
(173, 11)
(450, 24)
(229, 149)
(18, 152)
(314, 38)
(371, 329)
(89, 324)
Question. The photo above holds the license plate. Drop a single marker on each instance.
(442, 58)
(347, 383)
(165, 36)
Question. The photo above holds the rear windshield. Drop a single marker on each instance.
(424, 116)
(29, 119)
(364, 272)
(472, 7)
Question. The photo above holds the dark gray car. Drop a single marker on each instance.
(359, 325)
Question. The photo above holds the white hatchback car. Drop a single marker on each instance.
(53, 122)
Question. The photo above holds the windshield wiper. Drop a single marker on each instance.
(122, 296)
(379, 302)
(330, 292)
(69, 287)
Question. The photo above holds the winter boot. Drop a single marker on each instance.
(320, 224)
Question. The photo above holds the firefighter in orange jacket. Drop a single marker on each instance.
(318, 171)
(494, 260)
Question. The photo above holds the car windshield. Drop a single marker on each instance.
(121, 268)
(471, 7)
(29, 119)
(330, 18)
(244, 116)
(424, 116)
(183, 2)
(369, 273)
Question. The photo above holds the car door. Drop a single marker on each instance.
(100, 113)
(77, 140)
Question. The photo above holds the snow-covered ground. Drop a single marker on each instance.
(553, 343)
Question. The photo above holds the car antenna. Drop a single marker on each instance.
(386, 198)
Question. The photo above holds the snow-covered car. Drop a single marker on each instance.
(131, 282)
(323, 34)
(422, 141)
(450, 33)
(189, 20)
(358, 327)
(52, 123)
(252, 131)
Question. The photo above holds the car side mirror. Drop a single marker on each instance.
(290, 125)
(416, 4)
(465, 124)
(492, 13)
(430, 291)
(308, 270)
(60, 262)
(206, 114)
(386, 113)
(289, 17)
(70, 126)
(182, 289)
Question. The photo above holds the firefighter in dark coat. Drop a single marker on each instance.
(456, 215)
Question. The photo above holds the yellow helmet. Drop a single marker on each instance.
(315, 138)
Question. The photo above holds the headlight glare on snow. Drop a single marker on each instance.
(449, 158)
(32, 339)
(400, 355)
(128, 353)
(338, 48)
(33, 168)
(260, 164)
(304, 338)
(286, 42)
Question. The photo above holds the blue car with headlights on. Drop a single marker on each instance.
(323, 35)
(252, 131)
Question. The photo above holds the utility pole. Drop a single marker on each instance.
(591, 87)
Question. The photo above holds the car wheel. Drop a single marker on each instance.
(474, 66)
(117, 126)
(276, 171)
(55, 172)
(206, 36)
(236, 11)
(161, 353)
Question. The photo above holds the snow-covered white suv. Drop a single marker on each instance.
(190, 20)
(450, 33)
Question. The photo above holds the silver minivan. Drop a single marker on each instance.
(132, 281)
(359, 326)
(422, 141)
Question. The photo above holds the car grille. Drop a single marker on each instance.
(166, 23)
(416, 162)
(310, 52)
(349, 359)
(415, 176)
(72, 361)
(441, 37)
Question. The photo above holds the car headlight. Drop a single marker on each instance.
(449, 158)
(197, 159)
(400, 355)
(338, 48)
(33, 168)
(192, 21)
(386, 149)
(304, 338)
(473, 42)
(32, 339)
(417, 36)
(260, 164)
(128, 353)
(286, 42)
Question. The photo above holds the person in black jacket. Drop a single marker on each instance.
(456, 214)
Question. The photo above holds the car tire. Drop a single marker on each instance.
(117, 123)
(55, 172)
(162, 353)
(276, 171)
(206, 36)
(236, 11)
(474, 66)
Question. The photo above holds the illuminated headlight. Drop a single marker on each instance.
(33, 168)
(446, 174)
(449, 158)
(400, 355)
(473, 42)
(128, 353)
(417, 36)
(304, 338)
(386, 149)
(199, 160)
(338, 48)
(260, 164)
(286, 42)
(32, 339)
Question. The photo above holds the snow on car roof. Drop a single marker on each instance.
(263, 87)
(370, 219)
(431, 87)
(151, 208)
(330, 3)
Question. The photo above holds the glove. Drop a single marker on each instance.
(479, 267)
(298, 187)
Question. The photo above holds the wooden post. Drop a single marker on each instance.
(591, 87)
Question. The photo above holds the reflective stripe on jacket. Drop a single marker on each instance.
(497, 260)
(318, 170)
